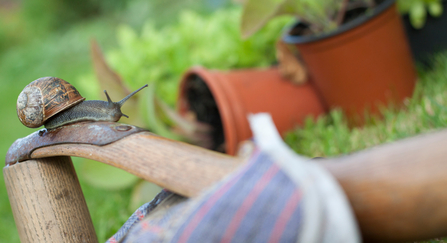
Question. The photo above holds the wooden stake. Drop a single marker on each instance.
(47, 201)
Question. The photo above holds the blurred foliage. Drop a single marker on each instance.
(162, 55)
(142, 193)
(417, 10)
(27, 20)
(319, 13)
(105, 176)
(50, 15)
(321, 16)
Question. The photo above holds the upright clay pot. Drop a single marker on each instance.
(239, 93)
(362, 65)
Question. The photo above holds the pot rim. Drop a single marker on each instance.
(298, 39)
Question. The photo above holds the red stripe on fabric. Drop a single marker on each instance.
(285, 215)
(248, 202)
(146, 226)
(211, 201)
(112, 240)
(139, 214)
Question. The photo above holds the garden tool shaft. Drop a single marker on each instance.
(396, 190)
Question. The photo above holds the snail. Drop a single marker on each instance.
(54, 102)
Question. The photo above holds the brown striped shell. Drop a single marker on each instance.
(44, 98)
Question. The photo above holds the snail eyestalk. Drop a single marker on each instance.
(108, 98)
(121, 102)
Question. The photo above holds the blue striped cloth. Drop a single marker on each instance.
(257, 204)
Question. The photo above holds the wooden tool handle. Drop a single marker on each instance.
(47, 202)
(398, 191)
(176, 166)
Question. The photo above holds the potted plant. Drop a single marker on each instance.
(425, 32)
(355, 51)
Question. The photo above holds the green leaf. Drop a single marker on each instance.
(404, 6)
(153, 121)
(290, 7)
(256, 14)
(417, 15)
(435, 9)
(126, 36)
(105, 176)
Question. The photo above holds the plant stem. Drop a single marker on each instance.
(341, 13)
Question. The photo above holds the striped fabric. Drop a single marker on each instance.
(258, 203)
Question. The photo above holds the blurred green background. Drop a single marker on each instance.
(155, 42)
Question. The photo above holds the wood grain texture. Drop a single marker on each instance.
(47, 201)
(179, 167)
(398, 191)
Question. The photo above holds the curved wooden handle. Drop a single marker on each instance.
(398, 191)
(176, 166)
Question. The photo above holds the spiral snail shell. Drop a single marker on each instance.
(43, 98)
(54, 102)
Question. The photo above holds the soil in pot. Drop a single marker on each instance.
(201, 101)
(357, 11)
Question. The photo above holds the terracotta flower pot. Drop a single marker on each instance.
(235, 94)
(363, 64)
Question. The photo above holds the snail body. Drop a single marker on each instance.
(53, 102)
(89, 110)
